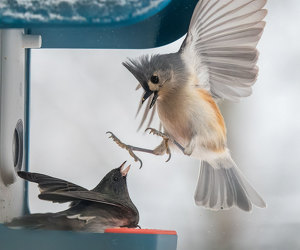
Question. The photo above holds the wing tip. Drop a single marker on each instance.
(27, 176)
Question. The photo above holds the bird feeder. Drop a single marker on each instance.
(26, 25)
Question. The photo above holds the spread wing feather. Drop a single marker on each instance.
(60, 191)
(220, 48)
(50, 184)
(221, 44)
(79, 196)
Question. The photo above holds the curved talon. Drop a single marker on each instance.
(108, 132)
(141, 164)
(148, 129)
(115, 139)
(125, 146)
(158, 133)
(151, 130)
(168, 151)
(169, 158)
(133, 155)
(166, 139)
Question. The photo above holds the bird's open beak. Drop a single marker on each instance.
(124, 171)
(146, 96)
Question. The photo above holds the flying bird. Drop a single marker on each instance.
(107, 205)
(216, 61)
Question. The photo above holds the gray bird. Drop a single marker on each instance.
(107, 205)
(216, 61)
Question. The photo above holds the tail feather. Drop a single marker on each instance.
(32, 221)
(221, 185)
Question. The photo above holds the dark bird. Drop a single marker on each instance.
(107, 205)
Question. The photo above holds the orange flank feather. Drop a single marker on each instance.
(219, 125)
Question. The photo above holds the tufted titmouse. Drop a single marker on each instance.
(217, 60)
(107, 205)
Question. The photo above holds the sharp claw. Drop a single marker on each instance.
(116, 140)
(165, 137)
(112, 135)
(149, 131)
(141, 163)
(169, 158)
(133, 155)
(168, 151)
(158, 133)
(125, 146)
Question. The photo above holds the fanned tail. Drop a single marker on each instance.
(221, 185)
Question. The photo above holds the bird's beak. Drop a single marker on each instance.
(146, 95)
(124, 171)
(149, 93)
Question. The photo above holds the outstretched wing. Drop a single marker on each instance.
(80, 195)
(77, 196)
(50, 184)
(60, 191)
(221, 44)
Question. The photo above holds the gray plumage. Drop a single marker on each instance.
(225, 186)
(107, 205)
(216, 61)
(221, 41)
(223, 36)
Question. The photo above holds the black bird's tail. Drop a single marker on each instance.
(32, 221)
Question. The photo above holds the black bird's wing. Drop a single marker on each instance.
(60, 191)
(90, 210)
(80, 195)
(92, 196)
(48, 184)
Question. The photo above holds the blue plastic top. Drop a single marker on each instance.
(99, 23)
(34, 13)
(26, 239)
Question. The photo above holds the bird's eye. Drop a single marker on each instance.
(154, 79)
(116, 179)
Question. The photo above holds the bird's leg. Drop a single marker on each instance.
(163, 148)
(129, 148)
(188, 150)
(157, 151)
(166, 139)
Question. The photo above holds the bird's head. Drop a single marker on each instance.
(114, 183)
(155, 74)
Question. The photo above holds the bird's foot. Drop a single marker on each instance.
(156, 132)
(164, 146)
(129, 148)
(166, 137)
